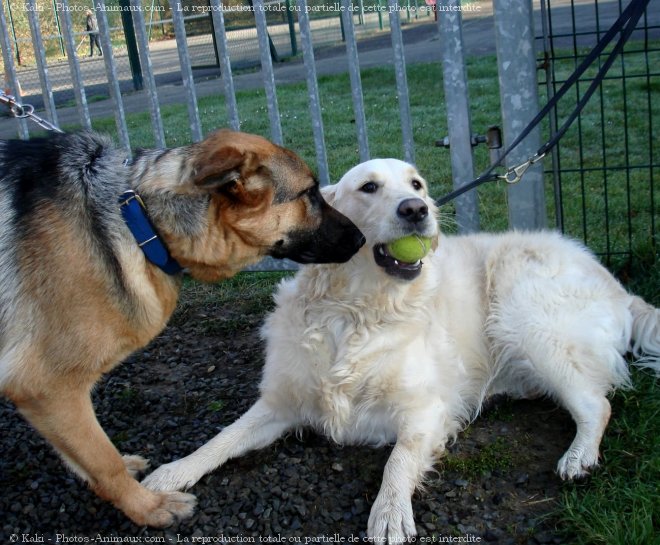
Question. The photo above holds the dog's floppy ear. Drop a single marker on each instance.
(221, 167)
(329, 192)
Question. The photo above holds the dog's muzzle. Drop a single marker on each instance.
(413, 215)
(336, 240)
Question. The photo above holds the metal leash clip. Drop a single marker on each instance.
(515, 174)
(24, 111)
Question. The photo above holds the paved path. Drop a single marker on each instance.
(421, 45)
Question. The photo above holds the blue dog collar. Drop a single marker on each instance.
(135, 215)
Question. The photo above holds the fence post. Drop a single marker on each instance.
(356, 79)
(186, 71)
(292, 28)
(221, 43)
(40, 56)
(556, 176)
(516, 64)
(74, 66)
(10, 71)
(313, 91)
(267, 71)
(59, 27)
(380, 15)
(401, 82)
(111, 72)
(131, 44)
(17, 51)
(457, 104)
(152, 92)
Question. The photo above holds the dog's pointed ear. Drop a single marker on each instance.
(221, 168)
(329, 192)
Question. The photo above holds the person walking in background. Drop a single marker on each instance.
(93, 29)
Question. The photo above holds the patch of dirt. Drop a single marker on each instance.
(496, 485)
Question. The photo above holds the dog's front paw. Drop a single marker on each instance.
(178, 475)
(157, 509)
(172, 508)
(391, 520)
(135, 464)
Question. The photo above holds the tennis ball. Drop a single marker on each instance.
(409, 249)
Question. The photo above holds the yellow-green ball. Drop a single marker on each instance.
(409, 249)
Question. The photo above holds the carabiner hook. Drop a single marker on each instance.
(515, 174)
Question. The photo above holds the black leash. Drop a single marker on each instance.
(625, 24)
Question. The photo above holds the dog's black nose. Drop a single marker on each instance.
(413, 210)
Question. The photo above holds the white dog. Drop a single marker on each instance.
(376, 351)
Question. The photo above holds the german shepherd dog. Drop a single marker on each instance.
(78, 293)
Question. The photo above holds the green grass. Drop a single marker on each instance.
(620, 502)
(248, 292)
(216, 406)
(491, 457)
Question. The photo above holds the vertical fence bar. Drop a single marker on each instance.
(267, 72)
(225, 63)
(549, 69)
(148, 73)
(650, 101)
(111, 72)
(17, 51)
(131, 45)
(10, 71)
(356, 80)
(186, 71)
(604, 141)
(457, 103)
(74, 66)
(401, 82)
(292, 28)
(313, 92)
(59, 28)
(40, 56)
(516, 63)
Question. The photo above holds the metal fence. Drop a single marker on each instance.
(613, 164)
(24, 19)
(606, 175)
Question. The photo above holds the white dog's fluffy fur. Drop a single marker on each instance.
(373, 351)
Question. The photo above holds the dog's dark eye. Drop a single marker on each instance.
(417, 185)
(314, 195)
(230, 189)
(369, 187)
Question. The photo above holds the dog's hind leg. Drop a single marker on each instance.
(257, 428)
(591, 413)
(66, 418)
(567, 373)
(563, 334)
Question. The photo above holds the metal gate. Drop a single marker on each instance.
(603, 176)
(606, 170)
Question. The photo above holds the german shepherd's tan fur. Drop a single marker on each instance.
(77, 295)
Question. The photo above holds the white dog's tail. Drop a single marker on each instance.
(646, 333)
